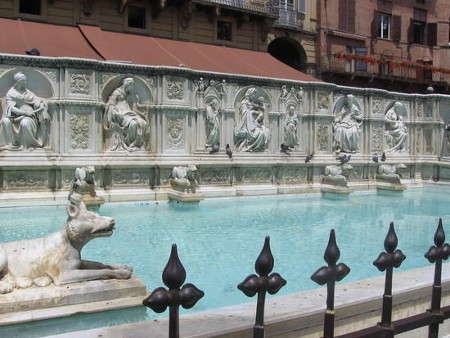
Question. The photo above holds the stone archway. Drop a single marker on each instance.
(290, 52)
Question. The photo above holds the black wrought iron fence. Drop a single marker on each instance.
(187, 295)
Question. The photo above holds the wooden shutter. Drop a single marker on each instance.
(396, 28)
(411, 32)
(375, 25)
(343, 15)
(351, 16)
(432, 34)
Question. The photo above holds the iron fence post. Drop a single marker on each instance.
(264, 283)
(387, 261)
(330, 275)
(435, 255)
(187, 295)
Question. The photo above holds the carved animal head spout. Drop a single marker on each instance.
(83, 225)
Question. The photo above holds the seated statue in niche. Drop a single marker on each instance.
(212, 123)
(290, 127)
(27, 122)
(396, 131)
(250, 133)
(124, 117)
(347, 126)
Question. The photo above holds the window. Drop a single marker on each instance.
(361, 66)
(224, 30)
(419, 32)
(30, 7)
(384, 26)
(419, 25)
(136, 17)
(384, 65)
(287, 4)
(301, 6)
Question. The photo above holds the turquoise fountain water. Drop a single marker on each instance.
(219, 239)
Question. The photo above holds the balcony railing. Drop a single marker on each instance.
(398, 68)
(258, 6)
(287, 16)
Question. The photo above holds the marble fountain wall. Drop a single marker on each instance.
(135, 123)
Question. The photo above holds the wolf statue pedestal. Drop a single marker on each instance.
(336, 178)
(388, 177)
(184, 185)
(83, 188)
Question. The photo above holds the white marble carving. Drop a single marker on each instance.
(174, 140)
(126, 116)
(396, 132)
(79, 131)
(83, 188)
(391, 173)
(175, 90)
(27, 122)
(212, 114)
(347, 125)
(57, 257)
(80, 83)
(250, 133)
(322, 135)
(339, 171)
(291, 122)
(184, 179)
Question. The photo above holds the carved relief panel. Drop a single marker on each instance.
(376, 139)
(254, 175)
(133, 177)
(26, 180)
(215, 176)
(286, 175)
(80, 83)
(323, 101)
(377, 107)
(82, 133)
(323, 137)
(174, 131)
(174, 89)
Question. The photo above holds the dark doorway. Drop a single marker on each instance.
(289, 52)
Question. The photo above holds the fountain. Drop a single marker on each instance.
(133, 124)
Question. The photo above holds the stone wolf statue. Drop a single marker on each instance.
(57, 257)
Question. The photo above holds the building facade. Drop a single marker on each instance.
(395, 45)
(286, 28)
